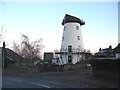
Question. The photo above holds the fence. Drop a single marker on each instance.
(43, 68)
(106, 68)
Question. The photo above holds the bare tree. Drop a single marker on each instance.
(28, 49)
(16, 47)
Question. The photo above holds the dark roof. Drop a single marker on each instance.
(69, 18)
(117, 49)
(109, 50)
(105, 51)
(12, 55)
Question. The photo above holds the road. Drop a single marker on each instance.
(38, 82)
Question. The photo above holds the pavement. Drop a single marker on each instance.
(83, 76)
(35, 82)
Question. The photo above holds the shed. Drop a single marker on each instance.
(48, 56)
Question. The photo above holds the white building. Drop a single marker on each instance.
(72, 43)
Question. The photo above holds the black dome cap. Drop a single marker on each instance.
(69, 18)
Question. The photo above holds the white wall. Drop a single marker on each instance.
(70, 34)
(117, 55)
(64, 58)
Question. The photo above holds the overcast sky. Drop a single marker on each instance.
(43, 20)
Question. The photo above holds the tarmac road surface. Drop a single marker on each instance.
(37, 82)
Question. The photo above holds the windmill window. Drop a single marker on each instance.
(64, 28)
(77, 27)
(62, 38)
(69, 48)
(78, 37)
(79, 46)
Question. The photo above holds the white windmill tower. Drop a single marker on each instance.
(72, 43)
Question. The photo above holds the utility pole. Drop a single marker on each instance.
(3, 55)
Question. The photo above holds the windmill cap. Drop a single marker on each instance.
(69, 18)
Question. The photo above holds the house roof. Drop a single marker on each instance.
(109, 50)
(106, 50)
(11, 55)
(117, 49)
(69, 18)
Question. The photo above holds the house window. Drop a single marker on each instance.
(78, 37)
(77, 27)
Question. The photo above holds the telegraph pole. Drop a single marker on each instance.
(3, 55)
